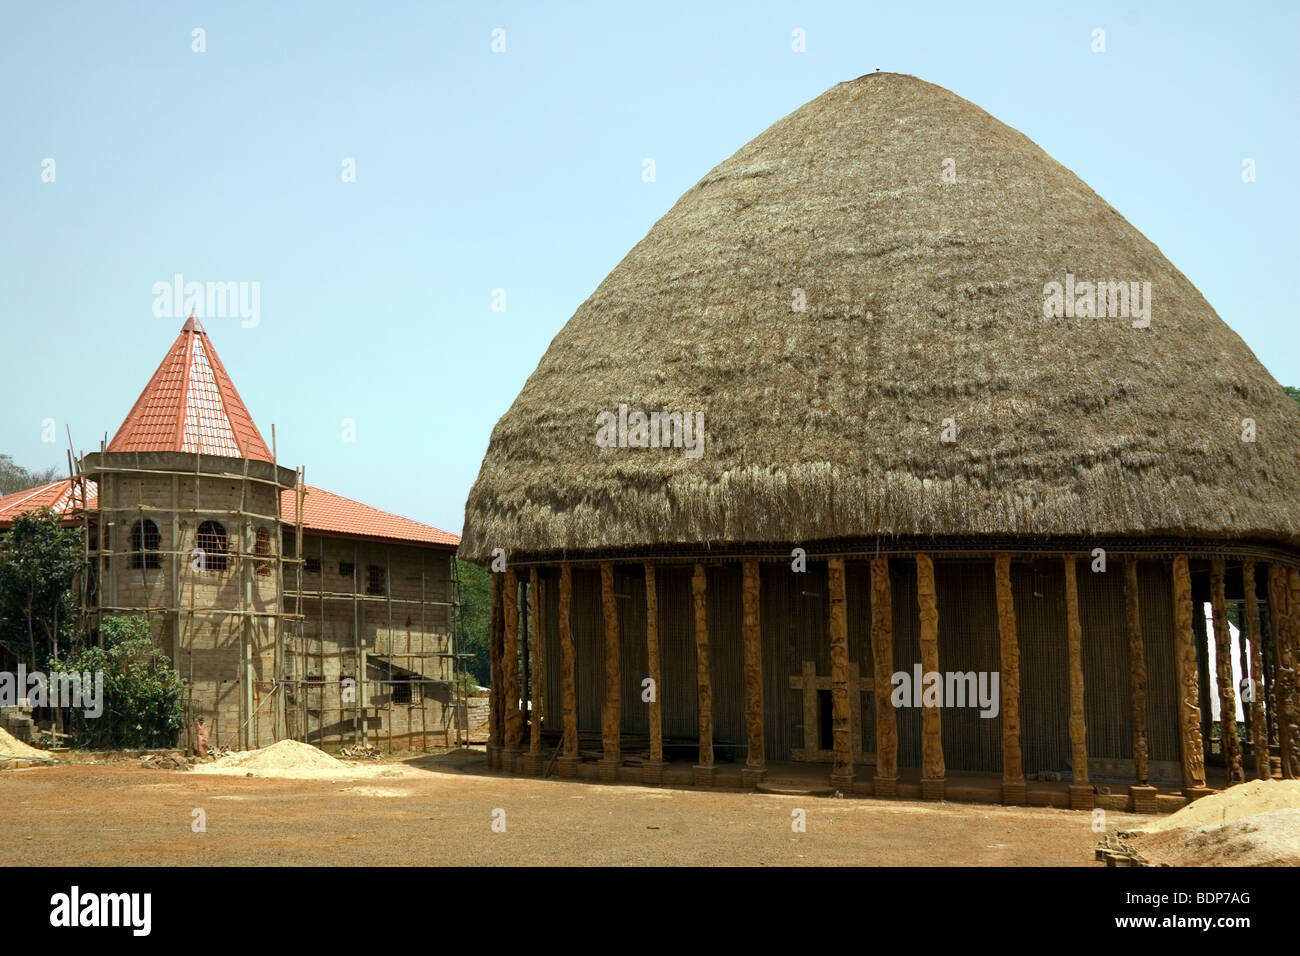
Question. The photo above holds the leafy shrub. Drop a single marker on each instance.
(142, 693)
(39, 561)
(474, 620)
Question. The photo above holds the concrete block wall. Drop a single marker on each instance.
(180, 595)
(337, 637)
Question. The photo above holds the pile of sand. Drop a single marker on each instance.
(1252, 824)
(1235, 803)
(11, 747)
(1265, 839)
(290, 759)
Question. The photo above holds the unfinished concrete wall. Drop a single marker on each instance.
(379, 610)
(213, 610)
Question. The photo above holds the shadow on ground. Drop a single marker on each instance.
(460, 760)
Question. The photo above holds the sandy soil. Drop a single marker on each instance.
(11, 745)
(1236, 803)
(293, 760)
(441, 812)
(1256, 823)
(1271, 838)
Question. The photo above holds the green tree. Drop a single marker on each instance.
(17, 478)
(142, 694)
(474, 619)
(39, 560)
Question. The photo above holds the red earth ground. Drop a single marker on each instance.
(442, 810)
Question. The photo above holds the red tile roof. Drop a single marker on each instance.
(191, 405)
(323, 513)
(56, 495)
(328, 513)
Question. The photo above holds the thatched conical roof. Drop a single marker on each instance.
(924, 302)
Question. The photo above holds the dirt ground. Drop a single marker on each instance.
(440, 811)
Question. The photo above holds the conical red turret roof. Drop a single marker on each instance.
(191, 405)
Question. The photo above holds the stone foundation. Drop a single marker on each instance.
(1081, 796)
(752, 778)
(1144, 799)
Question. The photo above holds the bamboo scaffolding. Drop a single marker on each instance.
(174, 598)
(162, 589)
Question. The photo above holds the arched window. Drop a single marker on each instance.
(262, 551)
(144, 544)
(212, 543)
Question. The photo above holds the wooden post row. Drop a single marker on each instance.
(1282, 613)
(1081, 795)
(495, 718)
(567, 764)
(1223, 675)
(841, 712)
(882, 654)
(756, 755)
(652, 772)
(704, 770)
(510, 670)
(1013, 768)
(611, 713)
(1189, 706)
(1258, 719)
(932, 764)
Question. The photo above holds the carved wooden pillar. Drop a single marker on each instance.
(567, 764)
(1189, 699)
(652, 772)
(524, 639)
(1293, 630)
(1201, 634)
(1281, 616)
(542, 688)
(1081, 797)
(882, 654)
(496, 728)
(1268, 652)
(1223, 676)
(510, 669)
(756, 758)
(1244, 686)
(1013, 767)
(1143, 794)
(704, 770)
(612, 713)
(532, 761)
(932, 765)
(841, 722)
(1258, 719)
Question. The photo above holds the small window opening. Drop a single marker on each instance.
(144, 544)
(212, 544)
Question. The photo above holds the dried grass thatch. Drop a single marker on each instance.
(924, 302)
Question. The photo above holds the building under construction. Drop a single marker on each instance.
(288, 611)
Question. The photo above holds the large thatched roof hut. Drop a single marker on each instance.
(891, 389)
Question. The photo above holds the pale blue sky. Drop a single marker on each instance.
(522, 171)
